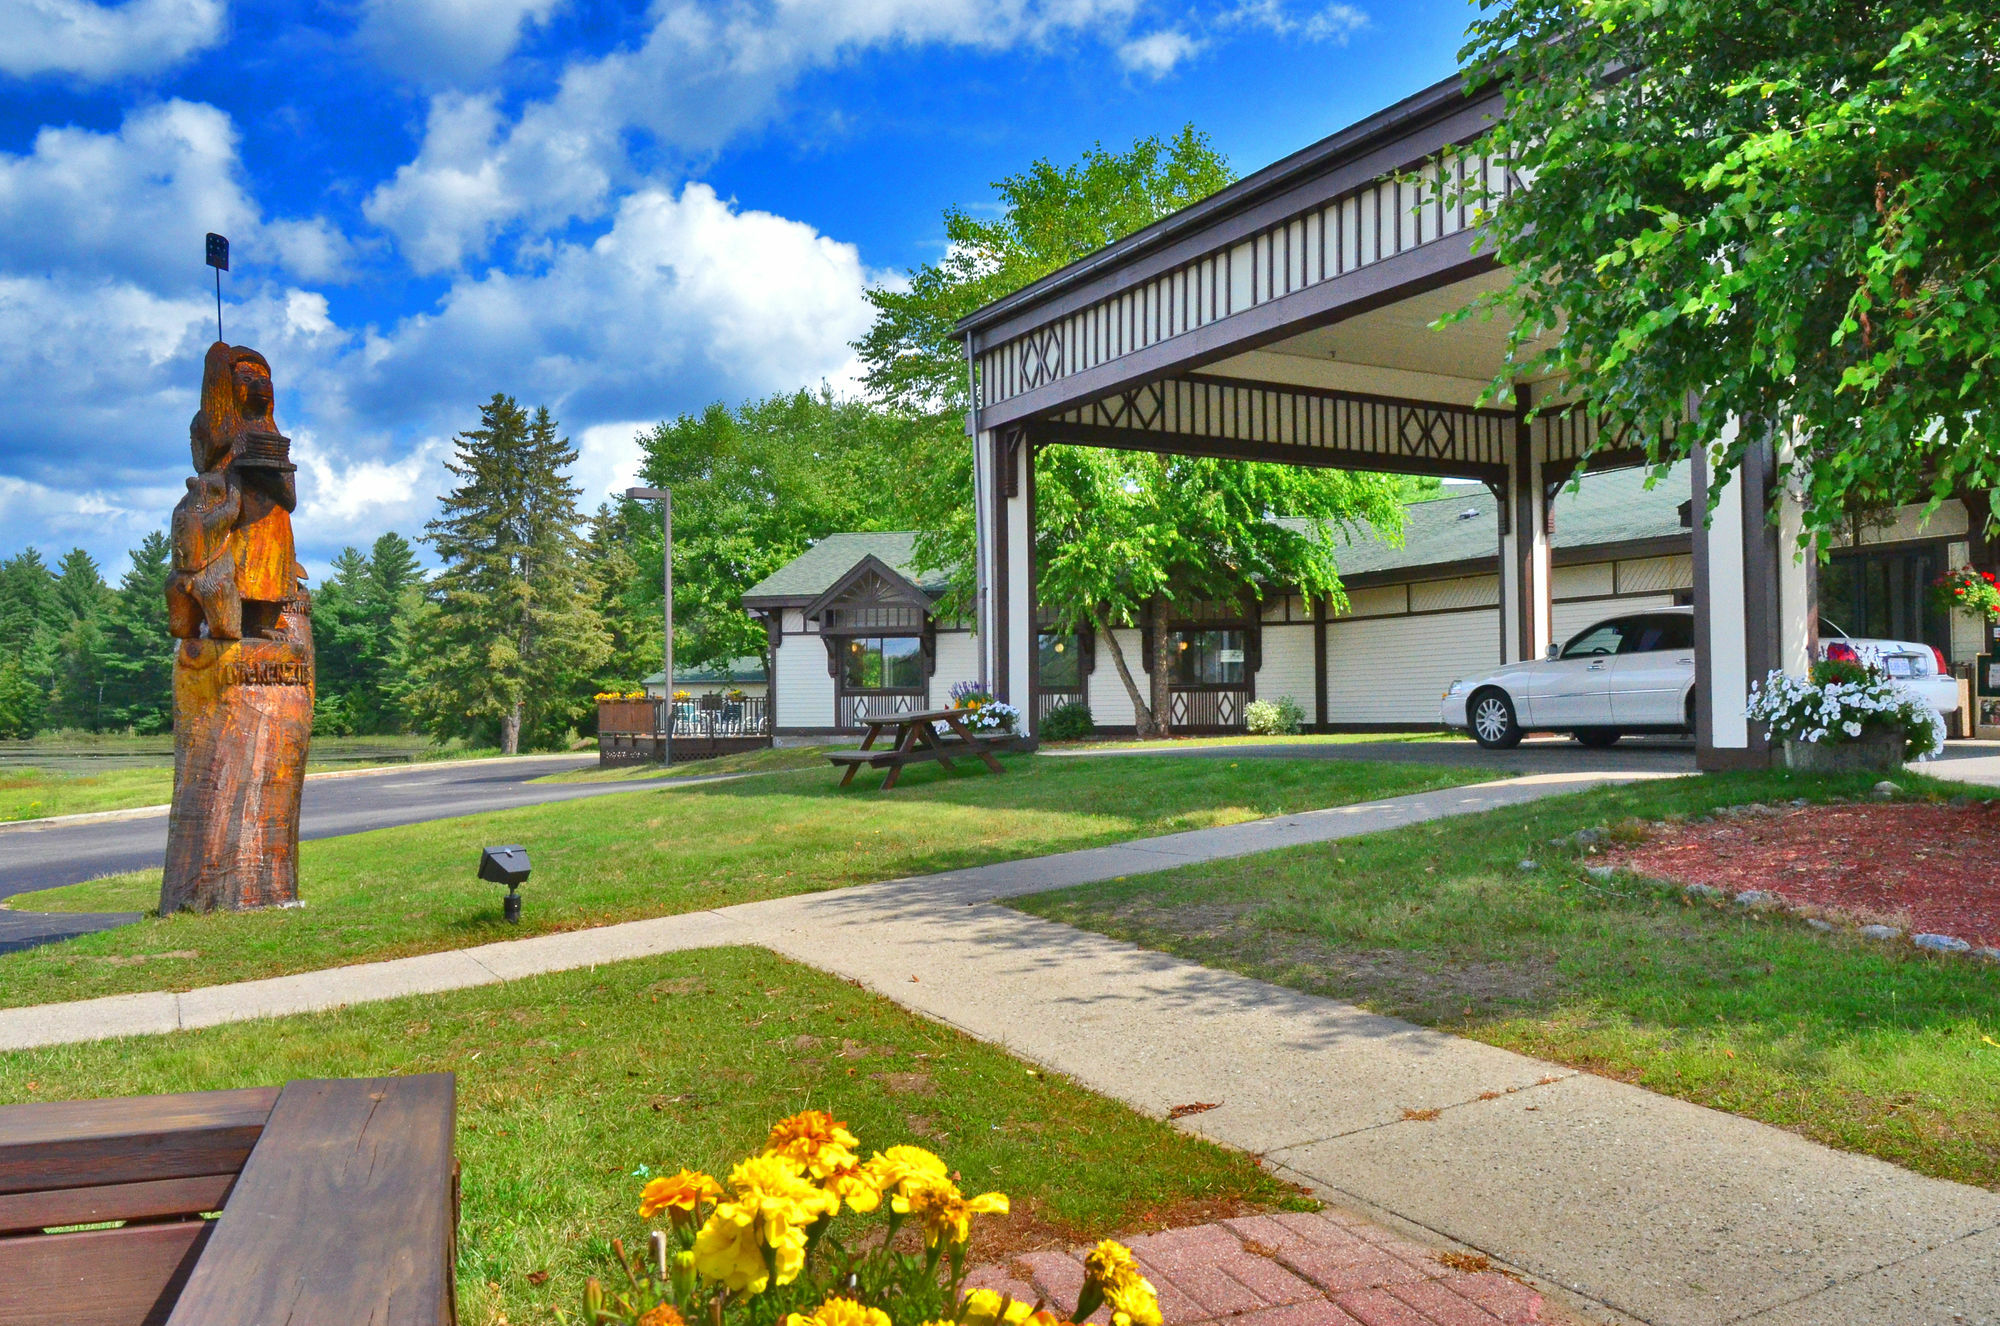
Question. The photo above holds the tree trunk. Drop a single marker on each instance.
(510, 730)
(1143, 721)
(1163, 660)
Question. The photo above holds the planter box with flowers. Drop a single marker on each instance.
(994, 720)
(769, 1246)
(1846, 718)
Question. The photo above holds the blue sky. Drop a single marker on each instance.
(621, 210)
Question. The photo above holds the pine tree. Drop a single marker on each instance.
(516, 635)
(29, 633)
(138, 652)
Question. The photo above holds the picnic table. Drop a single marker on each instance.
(916, 738)
(338, 1202)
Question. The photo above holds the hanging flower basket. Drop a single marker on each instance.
(1963, 589)
(805, 1233)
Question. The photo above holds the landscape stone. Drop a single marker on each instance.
(1880, 932)
(1818, 924)
(1990, 954)
(1590, 837)
(1755, 898)
(1527, 863)
(1598, 872)
(1702, 891)
(1885, 790)
(1941, 943)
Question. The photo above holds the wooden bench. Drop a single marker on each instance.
(338, 1203)
(916, 739)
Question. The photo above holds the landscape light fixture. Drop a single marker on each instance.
(509, 866)
(218, 258)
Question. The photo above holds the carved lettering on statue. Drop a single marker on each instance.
(243, 674)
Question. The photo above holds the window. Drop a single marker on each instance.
(1207, 658)
(1883, 596)
(1595, 642)
(1647, 635)
(883, 663)
(1058, 662)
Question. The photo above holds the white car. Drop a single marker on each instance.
(1635, 674)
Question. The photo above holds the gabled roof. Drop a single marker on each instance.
(814, 571)
(870, 582)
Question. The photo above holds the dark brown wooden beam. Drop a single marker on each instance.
(1183, 444)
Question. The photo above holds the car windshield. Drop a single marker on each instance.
(1600, 639)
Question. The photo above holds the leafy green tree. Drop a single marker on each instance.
(631, 616)
(138, 654)
(30, 630)
(753, 487)
(515, 637)
(1122, 537)
(20, 701)
(1790, 213)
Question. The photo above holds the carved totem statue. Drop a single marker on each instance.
(243, 672)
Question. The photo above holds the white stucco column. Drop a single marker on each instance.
(983, 507)
(1004, 485)
(1754, 601)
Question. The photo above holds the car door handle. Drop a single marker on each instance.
(1688, 659)
(1595, 667)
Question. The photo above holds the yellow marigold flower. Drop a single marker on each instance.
(989, 1307)
(1112, 1271)
(855, 1186)
(661, 1315)
(679, 1194)
(773, 1207)
(895, 1167)
(945, 1212)
(816, 1141)
(840, 1312)
(778, 1188)
(728, 1252)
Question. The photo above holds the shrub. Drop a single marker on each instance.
(1068, 721)
(1274, 718)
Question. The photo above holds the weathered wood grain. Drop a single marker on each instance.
(24, 1212)
(344, 1213)
(98, 1277)
(91, 1143)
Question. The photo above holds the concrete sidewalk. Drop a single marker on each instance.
(1642, 1207)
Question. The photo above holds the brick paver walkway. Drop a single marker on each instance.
(1327, 1269)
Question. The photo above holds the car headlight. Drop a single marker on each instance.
(1456, 688)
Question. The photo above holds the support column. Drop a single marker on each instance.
(1011, 595)
(1526, 529)
(1754, 603)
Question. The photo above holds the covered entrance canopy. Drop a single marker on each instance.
(1289, 318)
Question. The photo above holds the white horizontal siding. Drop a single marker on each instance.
(1393, 669)
(1593, 580)
(1287, 666)
(957, 660)
(1110, 706)
(805, 691)
(1646, 575)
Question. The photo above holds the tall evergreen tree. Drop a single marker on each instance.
(138, 653)
(516, 636)
(29, 632)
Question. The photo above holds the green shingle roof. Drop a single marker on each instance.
(750, 667)
(1462, 524)
(813, 571)
(1458, 526)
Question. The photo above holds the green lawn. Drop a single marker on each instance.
(1303, 739)
(567, 1084)
(31, 794)
(651, 853)
(1860, 1045)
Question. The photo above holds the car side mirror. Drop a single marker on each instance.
(1555, 651)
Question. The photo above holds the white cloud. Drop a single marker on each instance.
(102, 42)
(607, 460)
(447, 41)
(705, 73)
(1157, 53)
(1333, 22)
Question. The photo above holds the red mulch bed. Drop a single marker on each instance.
(1934, 868)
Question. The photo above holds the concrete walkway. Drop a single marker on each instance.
(1641, 1207)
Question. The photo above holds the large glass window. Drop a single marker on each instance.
(1649, 635)
(1883, 596)
(1058, 660)
(1598, 640)
(884, 663)
(1208, 658)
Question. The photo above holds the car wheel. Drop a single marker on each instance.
(1690, 714)
(1598, 738)
(1491, 717)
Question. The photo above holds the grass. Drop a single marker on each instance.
(771, 760)
(620, 857)
(74, 777)
(568, 1083)
(1863, 1046)
(1308, 739)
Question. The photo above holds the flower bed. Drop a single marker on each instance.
(763, 1247)
(1841, 703)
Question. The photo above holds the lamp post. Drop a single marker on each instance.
(665, 497)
